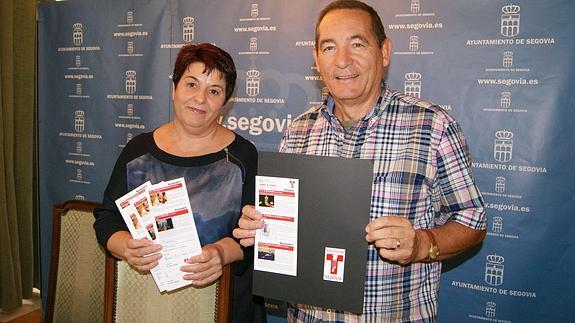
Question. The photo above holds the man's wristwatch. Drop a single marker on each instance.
(433, 249)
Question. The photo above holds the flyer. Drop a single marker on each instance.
(162, 212)
(276, 243)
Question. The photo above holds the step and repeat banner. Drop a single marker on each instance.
(502, 69)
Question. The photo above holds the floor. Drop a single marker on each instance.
(29, 312)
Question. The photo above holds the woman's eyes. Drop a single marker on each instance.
(215, 92)
(195, 85)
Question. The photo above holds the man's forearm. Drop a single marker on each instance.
(451, 239)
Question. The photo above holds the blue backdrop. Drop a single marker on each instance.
(501, 69)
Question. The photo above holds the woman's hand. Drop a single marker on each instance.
(249, 222)
(206, 267)
(142, 254)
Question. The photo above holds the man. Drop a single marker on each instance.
(425, 206)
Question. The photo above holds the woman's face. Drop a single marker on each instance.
(199, 98)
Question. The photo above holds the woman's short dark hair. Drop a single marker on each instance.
(376, 25)
(213, 57)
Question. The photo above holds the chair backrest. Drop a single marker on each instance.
(132, 296)
(77, 266)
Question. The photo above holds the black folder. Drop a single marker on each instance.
(334, 204)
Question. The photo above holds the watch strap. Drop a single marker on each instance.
(433, 248)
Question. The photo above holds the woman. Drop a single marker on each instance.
(218, 165)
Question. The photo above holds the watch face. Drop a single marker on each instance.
(433, 252)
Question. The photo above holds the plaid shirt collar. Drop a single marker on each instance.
(385, 96)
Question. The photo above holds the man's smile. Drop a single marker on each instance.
(346, 76)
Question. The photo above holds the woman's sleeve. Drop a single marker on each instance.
(108, 219)
(250, 161)
(249, 187)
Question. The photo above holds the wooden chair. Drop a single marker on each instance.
(133, 297)
(77, 266)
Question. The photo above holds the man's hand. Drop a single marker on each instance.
(396, 239)
(206, 267)
(142, 254)
(248, 224)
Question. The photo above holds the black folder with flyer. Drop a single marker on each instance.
(312, 249)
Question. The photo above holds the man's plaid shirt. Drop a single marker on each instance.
(422, 171)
